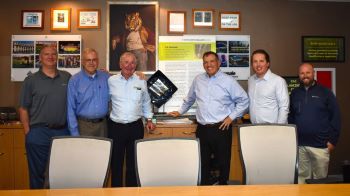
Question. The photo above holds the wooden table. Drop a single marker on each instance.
(241, 190)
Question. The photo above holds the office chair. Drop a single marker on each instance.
(269, 153)
(79, 162)
(167, 162)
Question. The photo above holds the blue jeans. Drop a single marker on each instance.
(38, 142)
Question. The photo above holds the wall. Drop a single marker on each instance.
(275, 25)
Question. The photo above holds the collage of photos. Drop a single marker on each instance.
(233, 53)
(25, 54)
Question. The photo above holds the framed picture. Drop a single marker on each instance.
(132, 26)
(89, 18)
(32, 19)
(176, 22)
(230, 21)
(60, 19)
(203, 18)
(323, 48)
(326, 77)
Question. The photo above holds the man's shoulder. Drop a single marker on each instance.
(65, 74)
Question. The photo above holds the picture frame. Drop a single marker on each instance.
(323, 49)
(326, 77)
(32, 19)
(229, 21)
(60, 19)
(143, 16)
(203, 18)
(89, 18)
(176, 21)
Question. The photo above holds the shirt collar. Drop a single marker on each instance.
(88, 75)
(215, 75)
(131, 77)
(267, 76)
(44, 76)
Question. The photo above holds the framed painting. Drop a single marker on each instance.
(176, 22)
(89, 18)
(203, 18)
(32, 19)
(60, 19)
(132, 27)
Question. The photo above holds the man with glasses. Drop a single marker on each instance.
(88, 98)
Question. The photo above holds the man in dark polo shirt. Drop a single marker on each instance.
(43, 104)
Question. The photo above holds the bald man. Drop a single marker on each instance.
(314, 110)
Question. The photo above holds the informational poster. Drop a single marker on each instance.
(180, 59)
(25, 52)
(292, 82)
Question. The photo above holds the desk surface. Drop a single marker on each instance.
(241, 190)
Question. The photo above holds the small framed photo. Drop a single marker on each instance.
(176, 22)
(60, 19)
(203, 18)
(230, 21)
(32, 19)
(89, 18)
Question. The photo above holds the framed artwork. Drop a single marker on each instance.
(89, 18)
(323, 48)
(203, 18)
(230, 21)
(176, 22)
(132, 26)
(326, 77)
(60, 19)
(32, 19)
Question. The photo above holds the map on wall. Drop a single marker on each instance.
(25, 52)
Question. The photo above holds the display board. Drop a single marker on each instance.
(180, 59)
(25, 50)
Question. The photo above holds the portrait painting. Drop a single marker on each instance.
(133, 28)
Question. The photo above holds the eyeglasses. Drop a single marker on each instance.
(91, 60)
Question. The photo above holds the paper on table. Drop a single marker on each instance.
(176, 121)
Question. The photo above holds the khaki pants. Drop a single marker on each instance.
(93, 129)
(313, 163)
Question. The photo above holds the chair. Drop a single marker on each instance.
(269, 153)
(79, 162)
(168, 162)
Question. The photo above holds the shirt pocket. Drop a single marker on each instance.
(136, 94)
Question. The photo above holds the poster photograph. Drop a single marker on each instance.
(133, 27)
(25, 53)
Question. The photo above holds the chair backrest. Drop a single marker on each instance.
(79, 162)
(269, 153)
(168, 162)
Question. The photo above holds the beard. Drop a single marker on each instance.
(307, 81)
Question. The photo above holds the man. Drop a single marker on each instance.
(220, 100)
(130, 102)
(88, 97)
(43, 104)
(268, 92)
(315, 112)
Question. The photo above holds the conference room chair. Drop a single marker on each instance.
(269, 153)
(79, 162)
(168, 162)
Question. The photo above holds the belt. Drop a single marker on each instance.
(50, 126)
(212, 125)
(130, 123)
(96, 120)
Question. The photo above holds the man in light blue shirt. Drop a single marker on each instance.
(88, 98)
(268, 92)
(220, 100)
(130, 102)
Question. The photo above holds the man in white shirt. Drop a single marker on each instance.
(268, 92)
(130, 102)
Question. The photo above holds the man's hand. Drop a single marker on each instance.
(226, 124)
(150, 126)
(174, 114)
(330, 146)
